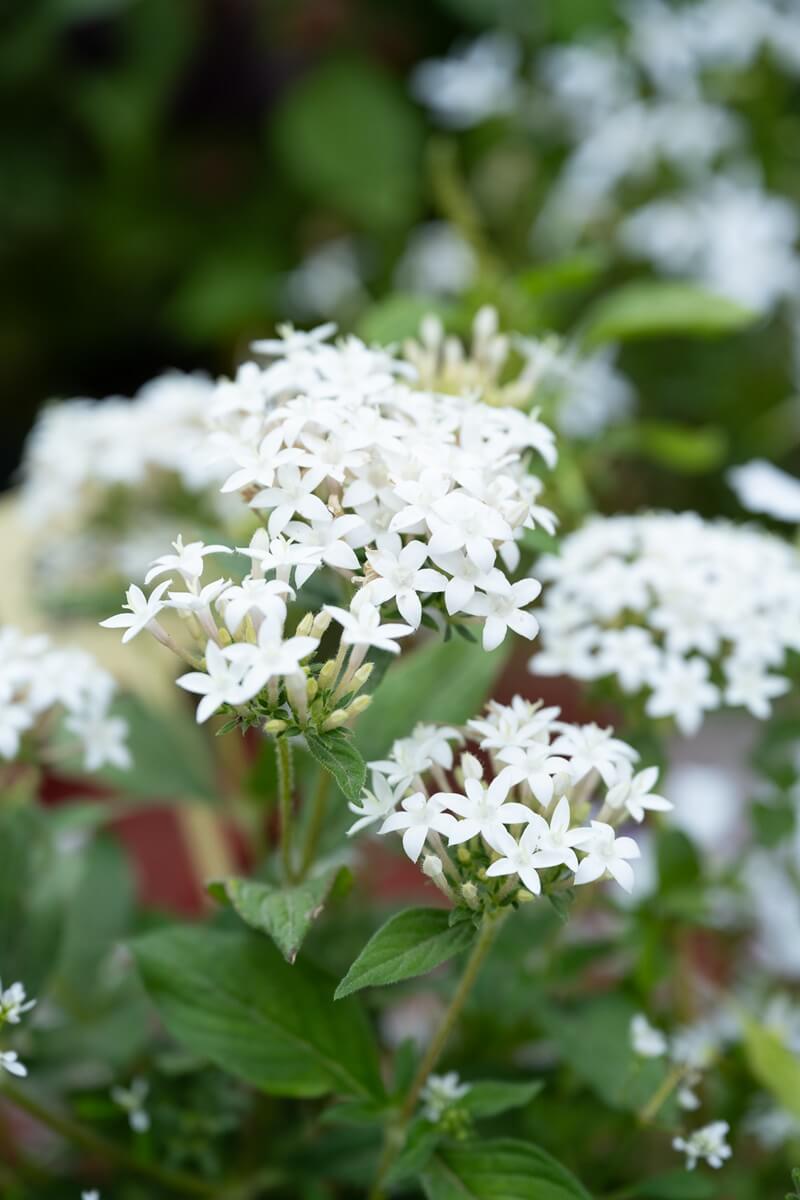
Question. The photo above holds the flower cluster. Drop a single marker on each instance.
(37, 680)
(553, 791)
(99, 479)
(762, 487)
(13, 1006)
(689, 614)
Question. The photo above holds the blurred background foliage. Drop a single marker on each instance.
(167, 166)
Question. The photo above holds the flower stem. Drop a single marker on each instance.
(396, 1132)
(316, 821)
(662, 1093)
(94, 1144)
(283, 752)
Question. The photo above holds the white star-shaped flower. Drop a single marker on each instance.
(420, 815)
(484, 812)
(606, 853)
(143, 610)
(401, 576)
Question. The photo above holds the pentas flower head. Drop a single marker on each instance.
(500, 835)
(711, 611)
(707, 1144)
(39, 681)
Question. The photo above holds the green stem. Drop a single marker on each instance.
(316, 822)
(283, 752)
(94, 1144)
(396, 1133)
(661, 1094)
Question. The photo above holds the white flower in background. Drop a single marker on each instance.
(707, 1144)
(646, 1040)
(713, 610)
(589, 394)
(39, 681)
(329, 279)
(440, 1092)
(13, 1004)
(505, 827)
(763, 488)
(476, 81)
(93, 1195)
(733, 238)
(437, 261)
(9, 1061)
(132, 1100)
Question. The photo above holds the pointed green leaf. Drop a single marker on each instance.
(232, 999)
(501, 1169)
(336, 753)
(410, 943)
(774, 1066)
(660, 308)
(287, 913)
(489, 1097)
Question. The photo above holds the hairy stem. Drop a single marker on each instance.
(316, 821)
(283, 753)
(396, 1133)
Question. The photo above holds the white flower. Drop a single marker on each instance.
(132, 1099)
(143, 610)
(264, 597)
(457, 521)
(361, 626)
(502, 608)
(419, 817)
(590, 748)
(258, 466)
(93, 1195)
(646, 1040)
(708, 1143)
(14, 720)
(400, 576)
(376, 804)
(327, 539)
(271, 657)
(748, 684)
(474, 82)
(440, 1092)
(14, 1003)
(484, 812)
(557, 839)
(9, 1061)
(606, 853)
(764, 488)
(535, 764)
(523, 858)
(103, 738)
(682, 689)
(633, 792)
(291, 341)
(187, 560)
(221, 683)
(292, 494)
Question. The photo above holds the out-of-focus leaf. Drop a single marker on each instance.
(688, 449)
(232, 999)
(662, 309)
(675, 1185)
(444, 682)
(489, 1097)
(350, 137)
(502, 1169)
(398, 316)
(566, 274)
(774, 1066)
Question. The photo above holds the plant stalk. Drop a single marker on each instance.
(283, 753)
(316, 822)
(396, 1133)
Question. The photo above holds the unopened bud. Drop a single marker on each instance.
(305, 626)
(485, 323)
(523, 896)
(471, 766)
(328, 673)
(463, 855)
(321, 622)
(336, 719)
(312, 687)
(361, 676)
(432, 866)
(358, 705)
(470, 894)
(275, 726)
(225, 638)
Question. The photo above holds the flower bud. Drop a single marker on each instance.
(275, 726)
(358, 706)
(337, 718)
(361, 676)
(470, 894)
(471, 766)
(305, 626)
(523, 896)
(312, 687)
(327, 674)
(320, 624)
(463, 855)
(432, 866)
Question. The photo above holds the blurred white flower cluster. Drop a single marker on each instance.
(692, 615)
(555, 790)
(38, 682)
(762, 487)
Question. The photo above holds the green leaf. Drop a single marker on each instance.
(398, 316)
(489, 1097)
(410, 943)
(566, 274)
(662, 309)
(692, 450)
(335, 753)
(774, 1066)
(422, 1140)
(675, 1185)
(594, 1038)
(285, 914)
(440, 681)
(346, 118)
(171, 758)
(232, 999)
(501, 1169)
